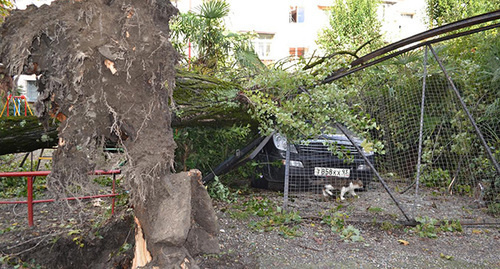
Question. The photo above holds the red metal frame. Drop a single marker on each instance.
(30, 201)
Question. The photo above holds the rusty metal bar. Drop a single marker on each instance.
(24, 174)
(62, 199)
(113, 199)
(360, 151)
(495, 15)
(30, 176)
(466, 110)
(344, 72)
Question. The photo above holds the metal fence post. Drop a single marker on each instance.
(113, 199)
(30, 201)
(471, 119)
(287, 177)
(420, 134)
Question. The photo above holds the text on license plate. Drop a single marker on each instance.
(332, 172)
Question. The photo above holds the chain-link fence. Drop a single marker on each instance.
(438, 112)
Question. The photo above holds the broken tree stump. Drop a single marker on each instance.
(182, 226)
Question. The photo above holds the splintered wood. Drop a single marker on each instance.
(141, 253)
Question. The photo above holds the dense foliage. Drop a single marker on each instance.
(353, 23)
(286, 96)
(441, 12)
(5, 6)
(211, 48)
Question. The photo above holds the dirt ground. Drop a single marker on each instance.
(476, 247)
(66, 237)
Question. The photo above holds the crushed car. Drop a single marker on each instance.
(313, 162)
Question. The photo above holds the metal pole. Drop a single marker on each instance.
(464, 107)
(342, 129)
(113, 199)
(420, 134)
(287, 177)
(30, 201)
(8, 99)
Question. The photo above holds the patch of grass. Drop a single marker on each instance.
(282, 221)
(387, 226)
(220, 192)
(375, 209)
(451, 226)
(13, 227)
(494, 209)
(337, 223)
(17, 186)
(352, 234)
(239, 214)
(15, 262)
(426, 227)
(269, 217)
(289, 232)
(430, 227)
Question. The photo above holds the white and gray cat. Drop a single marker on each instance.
(344, 185)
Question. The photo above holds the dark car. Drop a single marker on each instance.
(312, 163)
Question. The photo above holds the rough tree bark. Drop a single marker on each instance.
(109, 68)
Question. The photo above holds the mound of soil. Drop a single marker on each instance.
(83, 235)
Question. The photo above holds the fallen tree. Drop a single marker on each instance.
(109, 68)
(194, 94)
(25, 134)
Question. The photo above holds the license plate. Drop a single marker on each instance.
(332, 172)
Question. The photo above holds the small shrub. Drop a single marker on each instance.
(451, 226)
(494, 209)
(218, 191)
(289, 232)
(435, 177)
(352, 234)
(427, 227)
(336, 222)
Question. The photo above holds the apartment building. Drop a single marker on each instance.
(290, 27)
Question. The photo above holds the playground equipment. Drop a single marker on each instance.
(30, 202)
(17, 101)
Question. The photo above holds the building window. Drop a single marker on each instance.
(407, 15)
(297, 52)
(31, 91)
(262, 45)
(296, 14)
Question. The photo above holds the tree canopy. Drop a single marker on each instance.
(352, 24)
(441, 12)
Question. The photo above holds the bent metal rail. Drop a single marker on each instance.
(30, 202)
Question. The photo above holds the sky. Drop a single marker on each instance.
(21, 4)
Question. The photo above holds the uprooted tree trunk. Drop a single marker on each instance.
(109, 68)
(195, 96)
